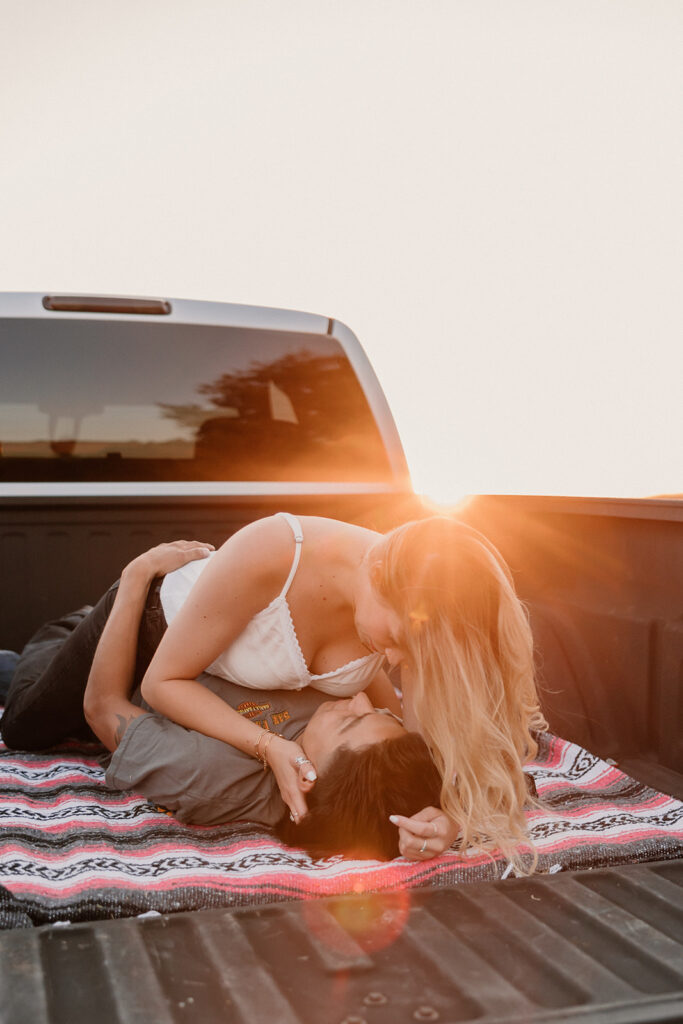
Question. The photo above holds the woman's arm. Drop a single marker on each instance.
(106, 703)
(242, 578)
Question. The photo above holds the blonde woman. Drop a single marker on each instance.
(467, 680)
(292, 602)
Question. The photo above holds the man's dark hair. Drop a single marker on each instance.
(350, 804)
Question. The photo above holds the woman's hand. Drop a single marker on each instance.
(427, 834)
(164, 558)
(294, 774)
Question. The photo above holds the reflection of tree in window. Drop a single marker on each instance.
(301, 416)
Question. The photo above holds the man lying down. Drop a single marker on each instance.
(80, 676)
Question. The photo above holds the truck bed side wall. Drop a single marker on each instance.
(604, 584)
(58, 554)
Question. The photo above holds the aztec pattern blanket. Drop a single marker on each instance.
(72, 850)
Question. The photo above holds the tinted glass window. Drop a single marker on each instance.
(91, 401)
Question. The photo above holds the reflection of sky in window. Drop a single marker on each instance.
(113, 379)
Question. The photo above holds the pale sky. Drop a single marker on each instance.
(488, 193)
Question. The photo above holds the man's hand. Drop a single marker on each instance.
(294, 774)
(427, 834)
(164, 558)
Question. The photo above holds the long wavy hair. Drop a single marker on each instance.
(471, 674)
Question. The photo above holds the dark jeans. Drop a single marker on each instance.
(45, 701)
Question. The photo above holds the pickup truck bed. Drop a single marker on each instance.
(601, 945)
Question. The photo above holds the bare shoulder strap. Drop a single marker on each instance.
(298, 539)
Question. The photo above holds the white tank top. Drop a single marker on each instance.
(267, 655)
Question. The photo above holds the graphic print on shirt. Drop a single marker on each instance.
(252, 708)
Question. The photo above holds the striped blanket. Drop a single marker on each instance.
(72, 850)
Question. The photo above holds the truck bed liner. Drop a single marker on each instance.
(603, 945)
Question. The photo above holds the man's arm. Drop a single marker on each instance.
(106, 703)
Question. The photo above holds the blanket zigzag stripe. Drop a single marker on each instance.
(69, 848)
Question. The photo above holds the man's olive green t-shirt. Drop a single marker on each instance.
(202, 780)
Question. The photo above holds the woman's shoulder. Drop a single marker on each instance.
(261, 549)
(321, 526)
(265, 548)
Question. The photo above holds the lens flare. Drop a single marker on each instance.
(372, 921)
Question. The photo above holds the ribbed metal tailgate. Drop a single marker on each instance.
(604, 945)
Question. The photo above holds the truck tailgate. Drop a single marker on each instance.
(603, 945)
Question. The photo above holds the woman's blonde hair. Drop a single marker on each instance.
(470, 653)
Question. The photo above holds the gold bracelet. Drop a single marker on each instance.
(271, 737)
(264, 733)
(261, 755)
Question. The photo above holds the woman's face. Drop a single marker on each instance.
(378, 626)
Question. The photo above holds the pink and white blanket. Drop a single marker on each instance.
(72, 850)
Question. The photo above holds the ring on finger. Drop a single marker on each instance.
(423, 847)
(301, 760)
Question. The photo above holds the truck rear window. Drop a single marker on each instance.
(116, 401)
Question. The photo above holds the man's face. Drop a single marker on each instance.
(353, 723)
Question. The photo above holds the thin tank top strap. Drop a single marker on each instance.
(298, 539)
